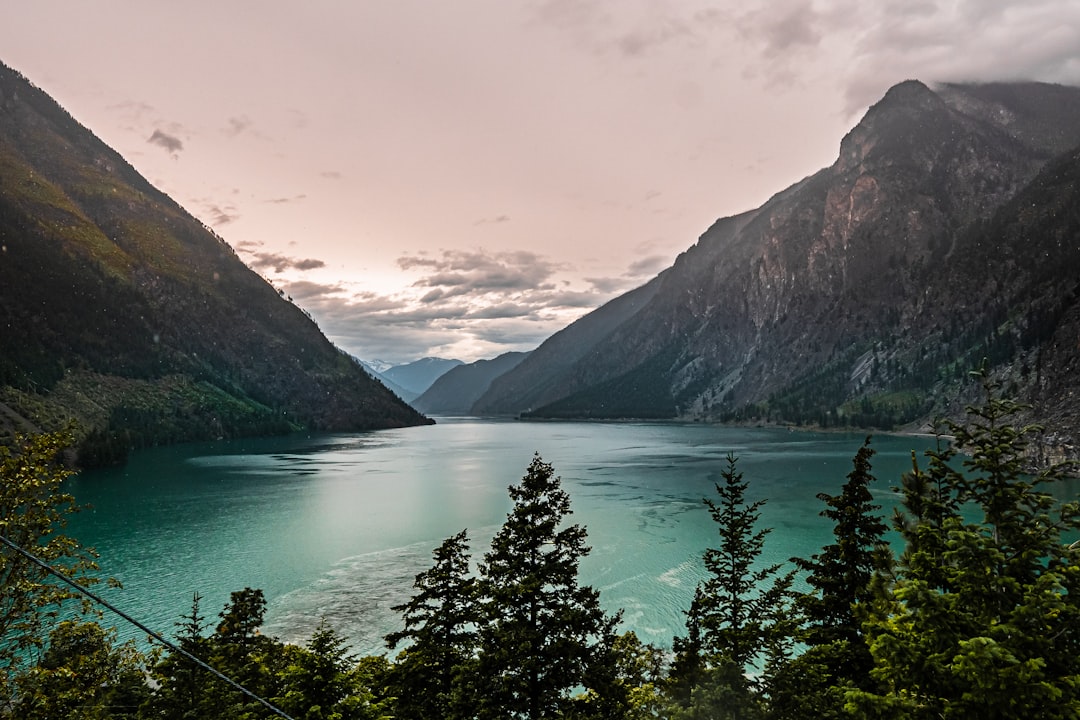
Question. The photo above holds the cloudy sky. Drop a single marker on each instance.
(461, 179)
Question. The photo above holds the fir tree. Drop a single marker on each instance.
(542, 635)
(740, 616)
(983, 619)
(440, 627)
(841, 576)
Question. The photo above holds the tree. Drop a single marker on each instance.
(33, 514)
(240, 651)
(440, 625)
(841, 576)
(82, 675)
(542, 635)
(983, 618)
(180, 683)
(322, 681)
(740, 616)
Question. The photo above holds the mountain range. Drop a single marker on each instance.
(946, 232)
(128, 320)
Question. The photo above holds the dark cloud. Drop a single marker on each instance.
(221, 216)
(238, 125)
(647, 266)
(286, 200)
(280, 263)
(170, 142)
(493, 221)
(477, 270)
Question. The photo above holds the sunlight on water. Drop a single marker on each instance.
(337, 526)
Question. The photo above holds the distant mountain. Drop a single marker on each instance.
(122, 313)
(390, 384)
(455, 392)
(418, 376)
(946, 231)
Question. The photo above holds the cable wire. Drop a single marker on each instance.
(157, 636)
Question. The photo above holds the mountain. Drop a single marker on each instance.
(455, 392)
(418, 376)
(123, 314)
(860, 296)
(390, 384)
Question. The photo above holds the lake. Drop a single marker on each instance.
(336, 526)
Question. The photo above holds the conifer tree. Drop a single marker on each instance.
(983, 619)
(542, 635)
(179, 692)
(741, 614)
(841, 576)
(440, 627)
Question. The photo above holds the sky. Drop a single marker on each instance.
(463, 179)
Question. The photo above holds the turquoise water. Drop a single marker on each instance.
(337, 526)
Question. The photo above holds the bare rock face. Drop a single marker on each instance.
(859, 296)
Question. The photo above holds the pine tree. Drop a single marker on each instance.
(440, 625)
(542, 635)
(741, 615)
(983, 619)
(179, 692)
(841, 576)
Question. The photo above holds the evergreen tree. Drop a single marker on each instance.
(322, 681)
(180, 683)
(983, 619)
(741, 614)
(440, 625)
(542, 635)
(841, 576)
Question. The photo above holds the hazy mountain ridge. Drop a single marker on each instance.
(858, 296)
(122, 312)
(455, 392)
(417, 376)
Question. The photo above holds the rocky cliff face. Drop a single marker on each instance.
(857, 296)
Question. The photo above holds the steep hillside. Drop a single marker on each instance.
(860, 295)
(123, 313)
(458, 390)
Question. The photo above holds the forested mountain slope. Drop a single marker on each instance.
(123, 313)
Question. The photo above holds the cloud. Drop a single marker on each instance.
(498, 219)
(170, 142)
(221, 216)
(964, 41)
(280, 263)
(331, 175)
(462, 303)
(464, 270)
(238, 125)
(285, 200)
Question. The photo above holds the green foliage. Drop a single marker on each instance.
(542, 636)
(440, 626)
(841, 577)
(983, 617)
(82, 675)
(741, 613)
(33, 514)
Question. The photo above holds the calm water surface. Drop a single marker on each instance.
(337, 526)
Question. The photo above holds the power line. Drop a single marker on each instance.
(157, 636)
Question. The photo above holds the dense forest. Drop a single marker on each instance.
(975, 613)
